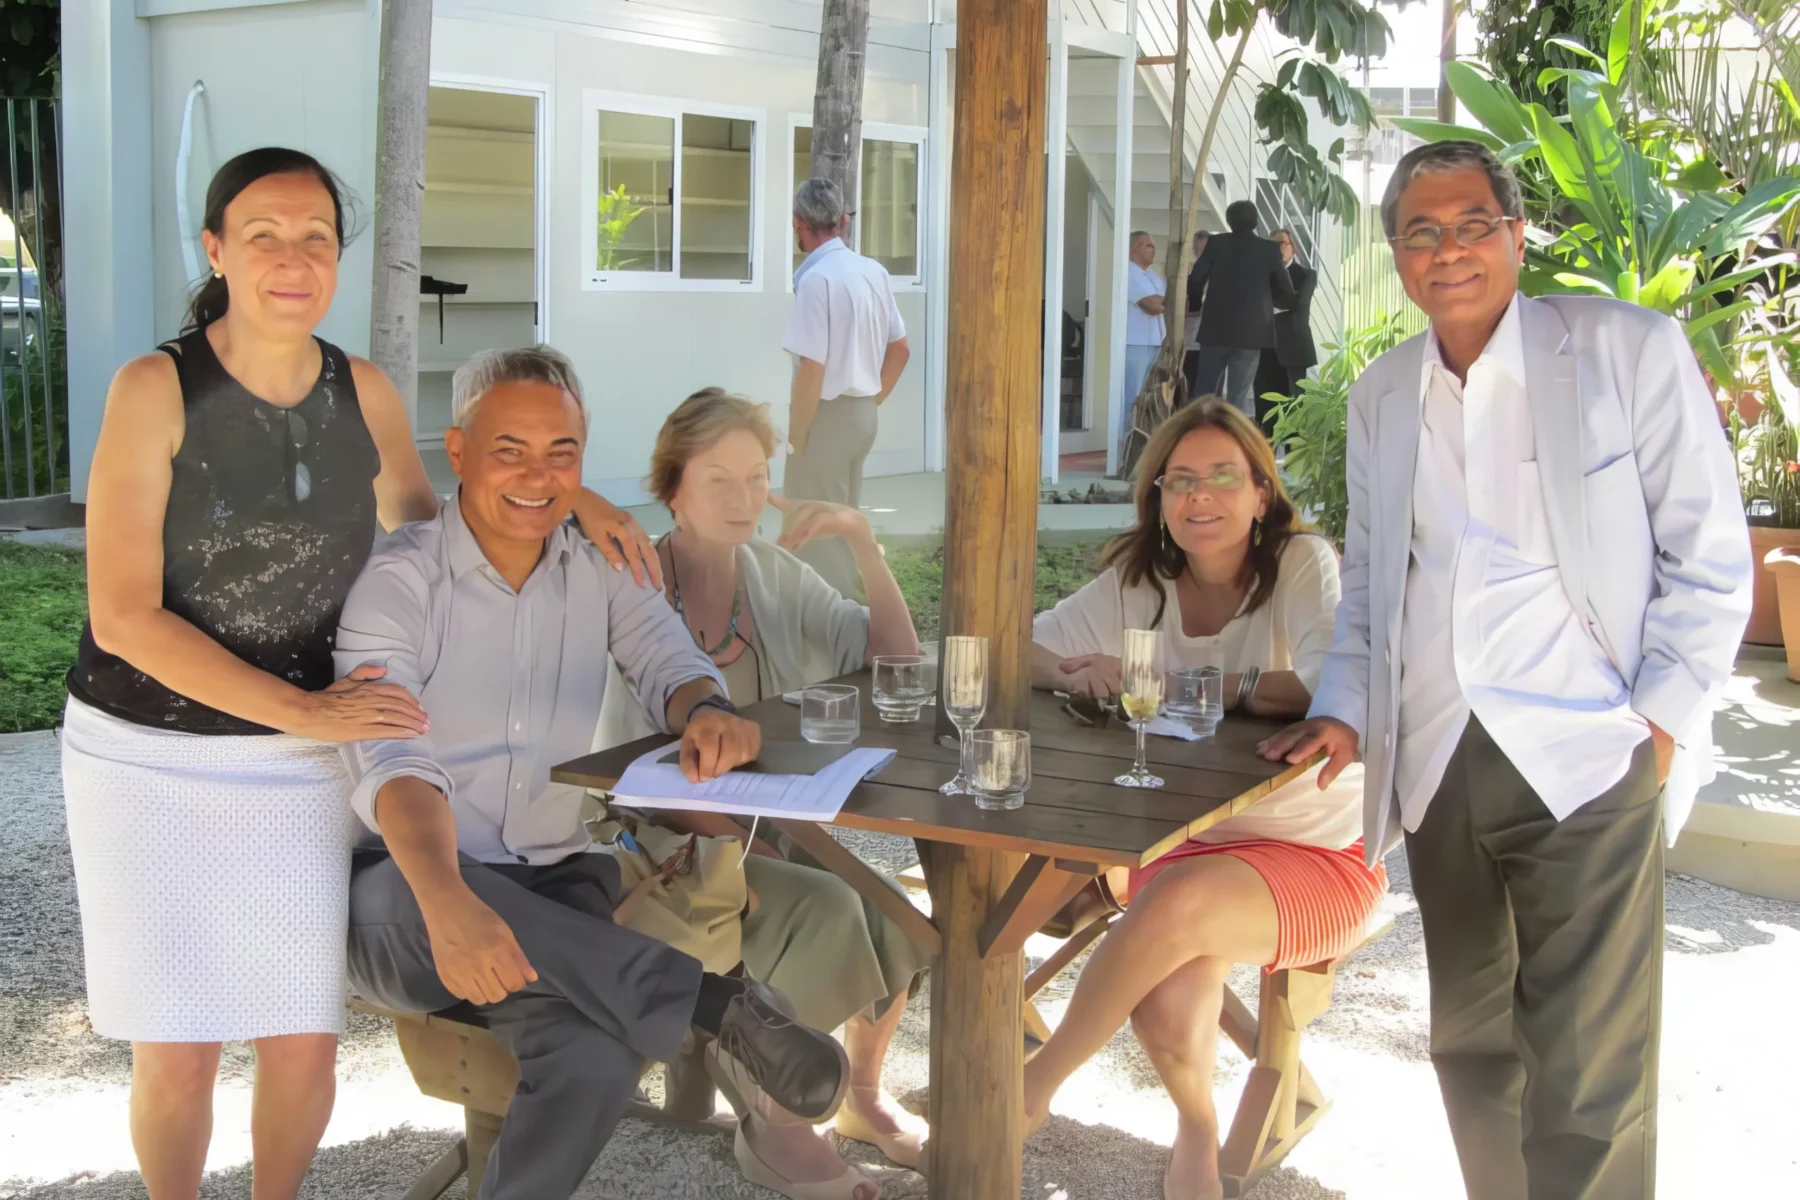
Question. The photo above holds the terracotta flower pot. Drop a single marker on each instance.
(1783, 565)
(1765, 618)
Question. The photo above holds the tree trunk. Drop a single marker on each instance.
(1446, 99)
(1156, 398)
(400, 194)
(837, 98)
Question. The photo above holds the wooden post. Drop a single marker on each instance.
(992, 409)
(400, 195)
(837, 96)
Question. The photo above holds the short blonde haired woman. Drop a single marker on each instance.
(773, 625)
(1218, 562)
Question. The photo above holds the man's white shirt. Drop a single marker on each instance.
(1142, 328)
(1488, 626)
(844, 316)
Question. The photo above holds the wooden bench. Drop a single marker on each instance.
(1281, 1101)
(453, 1057)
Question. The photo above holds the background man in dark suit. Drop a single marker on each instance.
(1286, 365)
(1241, 278)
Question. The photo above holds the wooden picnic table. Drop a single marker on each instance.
(1074, 825)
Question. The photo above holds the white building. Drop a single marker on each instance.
(699, 110)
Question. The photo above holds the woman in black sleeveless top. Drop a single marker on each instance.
(234, 496)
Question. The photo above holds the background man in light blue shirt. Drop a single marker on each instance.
(482, 885)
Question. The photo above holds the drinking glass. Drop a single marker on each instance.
(1140, 697)
(1196, 696)
(902, 685)
(963, 674)
(999, 767)
(830, 712)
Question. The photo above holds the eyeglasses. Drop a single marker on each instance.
(1182, 483)
(1473, 231)
(1088, 711)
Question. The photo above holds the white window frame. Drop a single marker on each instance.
(593, 101)
(871, 131)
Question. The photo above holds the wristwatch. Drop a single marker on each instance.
(713, 701)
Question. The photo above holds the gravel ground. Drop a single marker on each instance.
(1728, 1069)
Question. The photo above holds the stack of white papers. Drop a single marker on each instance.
(649, 783)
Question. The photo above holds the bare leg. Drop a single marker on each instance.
(171, 1114)
(1178, 1026)
(869, 1113)
(1215, 906)
(296, 1082)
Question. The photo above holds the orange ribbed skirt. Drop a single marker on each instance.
(1322, 897)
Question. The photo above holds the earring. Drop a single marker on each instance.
(218, 275)
(1165, 527)
(1256, 532)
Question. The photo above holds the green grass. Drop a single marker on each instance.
(1061, 571)
(43, 602)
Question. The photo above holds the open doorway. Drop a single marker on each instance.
(480, 266)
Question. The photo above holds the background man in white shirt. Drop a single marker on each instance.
(1143, 328)
(849, 347)
(1546, 575)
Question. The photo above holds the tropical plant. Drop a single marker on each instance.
(1519, 38)
(616, 214)
(1746, 120)
(1312, 425)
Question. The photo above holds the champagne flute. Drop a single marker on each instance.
(1140, 697)
(964, 676)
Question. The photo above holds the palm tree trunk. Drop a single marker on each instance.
(1154, 398)
(837, 98)
(400, 194)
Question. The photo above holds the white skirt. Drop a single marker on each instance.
(214, 877)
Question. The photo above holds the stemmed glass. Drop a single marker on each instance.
(1140, 697)
(964, 676)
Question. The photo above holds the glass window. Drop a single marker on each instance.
(1423, 101)
(674, 194)
(1388, 101)
(802, 172)
(635, 224)
(886, 227)
(887, 218)
(716, 155)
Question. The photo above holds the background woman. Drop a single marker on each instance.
(1217, 563)
(773, 625)
(236, 485)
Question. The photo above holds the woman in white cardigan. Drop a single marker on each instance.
(773, 625)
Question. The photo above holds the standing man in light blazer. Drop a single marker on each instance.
(1546, 575)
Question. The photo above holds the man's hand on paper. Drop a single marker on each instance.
(715, 741)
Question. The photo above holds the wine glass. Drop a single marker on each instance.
(1140, 697)
(964, 676)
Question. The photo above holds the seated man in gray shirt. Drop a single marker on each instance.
(482, 885)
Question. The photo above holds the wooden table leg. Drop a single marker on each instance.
(977, 1033)
(444, 1171)
(817, 841)
(1036, 894)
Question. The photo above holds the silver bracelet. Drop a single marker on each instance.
(1247, 682)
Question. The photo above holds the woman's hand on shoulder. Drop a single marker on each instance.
(359, 708)
(805, 520)
(1093, 675)
(623, 542)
